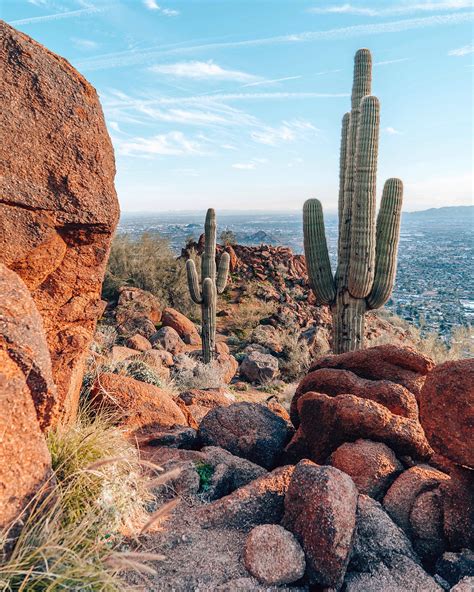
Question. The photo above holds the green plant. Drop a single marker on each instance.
(148, 263)
(211, 285)
(367, 251)
(228, 237)
(71, 531)
(205, 472)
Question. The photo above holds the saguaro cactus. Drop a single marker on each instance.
(206, 293)
(367, 250)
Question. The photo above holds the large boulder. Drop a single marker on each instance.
(395, 363)
(169, 340)
(260, 502)
(185, 328)
(246, 429)
(134, 302)
(273, 555)
(458, 508)
(259, 368)
(372, 466)
(59, 207)
(134, 403)
(27, 394)
(320, 509)
(331, 381)
(200, 402)
(447, 410)
(327, 422)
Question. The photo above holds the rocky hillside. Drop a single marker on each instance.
(127, 462)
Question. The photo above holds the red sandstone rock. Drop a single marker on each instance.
(154, 360)
(331, 381)
(447, 410)
(273, 555)
(58, 203)
(136, 403)
(120, 353)
(372, 466)
(200, 402)
(168, 339)
(403, 365)
(426, 522)
(227, 366)
(400, 498)
(182, 325)
(138, 342)
(327, 422)
(27, 394)
(320, 509)
(134, 302)
(22, 337)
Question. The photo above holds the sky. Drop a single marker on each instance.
(237, 104)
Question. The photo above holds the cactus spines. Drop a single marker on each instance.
(367, 252)
(206, 293)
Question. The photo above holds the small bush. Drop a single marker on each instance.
(149, 263)
(198, 376)
(205, 472)
(295, 358)
(247, 315)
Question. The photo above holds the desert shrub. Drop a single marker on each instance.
(245, 316)
(295, 357)
(459, 345)
(227, 237)
(105, 338)
(148, 263)
(205, 472)
(70, 535)
(197, 375)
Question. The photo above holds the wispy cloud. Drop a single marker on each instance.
(271, 81)
(132, 57)
(462, 51)
(202, 71)
(387, 62)
(87, 44)
(173, 143)
(55, 17)
(407, 8)
(244, 166)
(289, 131)
(392, 131)
(153, 5)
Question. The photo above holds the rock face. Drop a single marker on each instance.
(273, 555)
(138, 404)
(331, 381)
(458, 508)
(320, 509)
(249, 430)
(347, 417)
(372, 466)
(403, 365)
(26, 394)
(58, 206)
(447, 410)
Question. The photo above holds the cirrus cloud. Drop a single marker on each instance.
(201, 71)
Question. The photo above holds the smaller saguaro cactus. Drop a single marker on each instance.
(212, 283)
(367, 249)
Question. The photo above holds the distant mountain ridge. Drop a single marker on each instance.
(461, 213)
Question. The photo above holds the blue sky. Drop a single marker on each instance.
(237, 104)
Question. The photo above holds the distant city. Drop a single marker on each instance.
(434, 288)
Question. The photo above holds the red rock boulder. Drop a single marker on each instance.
(185, 328)
(403, 365)
(320, 509)
(59, 207)
(447, 410)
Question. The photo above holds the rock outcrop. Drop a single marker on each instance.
(27, 394)
(58, 206)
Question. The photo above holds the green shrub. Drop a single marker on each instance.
(148, 263)
(205, 472)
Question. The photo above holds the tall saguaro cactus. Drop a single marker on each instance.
(367, 249)
(206, 293)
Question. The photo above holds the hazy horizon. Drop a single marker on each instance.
(239, 104)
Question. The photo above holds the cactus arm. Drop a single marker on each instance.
(342, 164)
(316, 250)
(361, 87)
(193, 282)
(387, 237)
(362, 252)
(222, 272)
(208, 264)
(208, 309)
